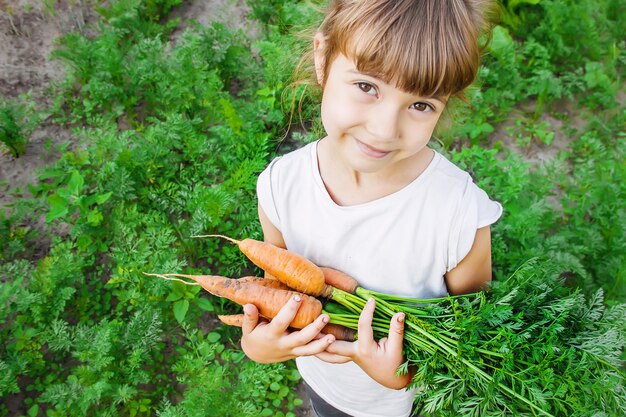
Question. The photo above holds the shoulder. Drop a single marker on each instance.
(295, 158)
(448, 174)
(466, 196)
(446, 184)
(284, 174)
(289, 167)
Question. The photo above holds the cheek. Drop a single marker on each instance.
(426, 128)
(338, 111)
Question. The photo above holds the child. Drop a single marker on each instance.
(371, 198)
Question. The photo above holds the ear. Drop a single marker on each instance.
(318, 56)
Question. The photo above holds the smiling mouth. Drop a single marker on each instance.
(370, 151)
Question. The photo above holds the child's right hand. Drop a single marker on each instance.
(269, 342)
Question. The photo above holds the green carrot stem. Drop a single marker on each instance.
(369, 293)
(429, 342)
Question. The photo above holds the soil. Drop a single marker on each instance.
(27, 36)
(520, 122)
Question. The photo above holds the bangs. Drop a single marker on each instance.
(428, 48)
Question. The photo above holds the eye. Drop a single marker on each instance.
(367, 88)
(422, 107)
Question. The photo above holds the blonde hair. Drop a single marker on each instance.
(427, 47)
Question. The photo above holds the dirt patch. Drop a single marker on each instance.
(539, 140)
(17, 173)
(233, 13)
(27, 34)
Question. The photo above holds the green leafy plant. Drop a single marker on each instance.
(513, 11)
(526, 131)
(18, 119)
(529, 347)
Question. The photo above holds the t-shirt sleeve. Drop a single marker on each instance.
(266, 188)
(475, 210)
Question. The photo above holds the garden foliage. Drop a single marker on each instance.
(169, 137)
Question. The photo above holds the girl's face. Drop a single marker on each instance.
(378, 127)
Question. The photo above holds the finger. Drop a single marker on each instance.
(396, 333)
(314, 347)
(311, 331)
(366, 333)
(250, 318)
(342, 348)
(332, 357)
(286, 314)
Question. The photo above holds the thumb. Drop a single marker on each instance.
(396, 332)
(250, 318)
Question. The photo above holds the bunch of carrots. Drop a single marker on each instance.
(463, 347)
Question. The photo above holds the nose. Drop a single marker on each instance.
(384, 123)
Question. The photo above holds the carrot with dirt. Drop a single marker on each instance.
(268, 300)
(288, 267)
(339, 280)
(332, 277)
(292, 269)
(266, 282)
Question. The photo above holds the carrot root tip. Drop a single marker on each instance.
(169, 277)
(235, 241)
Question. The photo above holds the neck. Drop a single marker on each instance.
(348, 186)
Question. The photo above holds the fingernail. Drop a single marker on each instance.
(296, 298)
(325, 319)
(400, 318)
(330, 339)
(370, 301)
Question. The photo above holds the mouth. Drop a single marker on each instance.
(371, 151)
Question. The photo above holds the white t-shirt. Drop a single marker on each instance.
(399, 244)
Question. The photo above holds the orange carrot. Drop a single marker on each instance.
(288, 267)
(268, 300)
(266, 282)
(340, 332)
(232, 319)
(339, 280)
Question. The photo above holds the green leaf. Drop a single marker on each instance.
(514, 4)
(213, 337)
(102, 198)
(180, 310)
(205, 304)
(84, 242)
(58, 207)
(95, 217)
(76, 184)
(274, 386)
(173, 296)
(232, 118)
(33, 411)
(501, 41)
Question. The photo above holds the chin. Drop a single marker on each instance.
(365, 166)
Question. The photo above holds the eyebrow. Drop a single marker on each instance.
(356, 72)
(440, 98)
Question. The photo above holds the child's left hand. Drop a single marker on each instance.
(379, 360)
